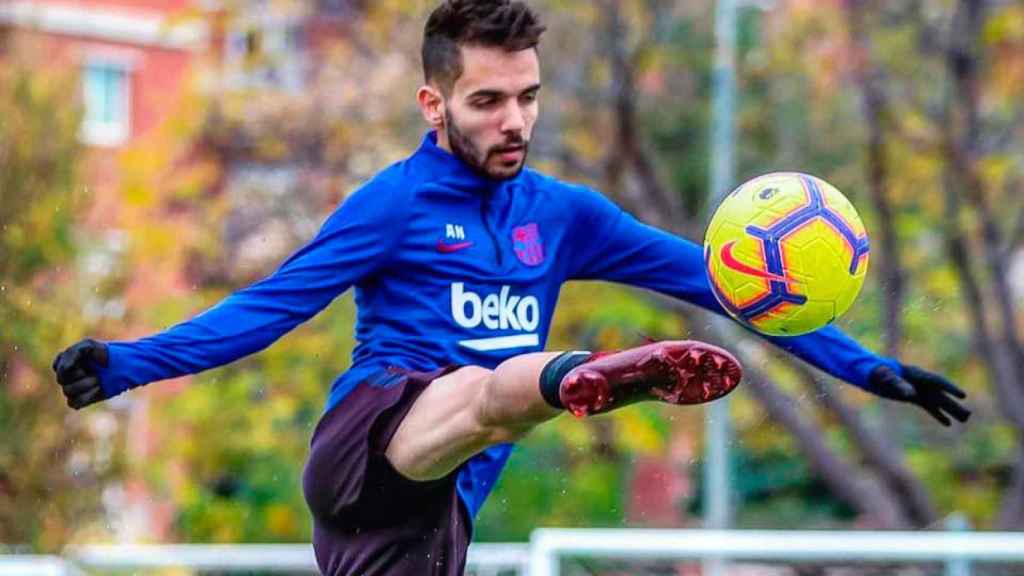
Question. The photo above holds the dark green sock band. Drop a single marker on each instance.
(554, 371)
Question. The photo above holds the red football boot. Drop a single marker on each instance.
(674, 371)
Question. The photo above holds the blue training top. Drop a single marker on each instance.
(450, 267)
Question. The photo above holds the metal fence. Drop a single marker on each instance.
(572, 552)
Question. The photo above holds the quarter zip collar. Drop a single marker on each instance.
(452, 171)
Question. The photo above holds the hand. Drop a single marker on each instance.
(932, 392)
(76, 375)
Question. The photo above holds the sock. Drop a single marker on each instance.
(552, 374)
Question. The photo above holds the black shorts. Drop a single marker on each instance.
(368, 519)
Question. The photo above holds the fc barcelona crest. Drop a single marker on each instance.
(527, 243)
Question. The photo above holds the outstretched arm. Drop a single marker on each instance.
(350, 245)
(634, 253)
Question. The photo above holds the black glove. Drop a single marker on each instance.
(75, 373)
(932, 392)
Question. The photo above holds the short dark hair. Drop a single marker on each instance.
(508, 24)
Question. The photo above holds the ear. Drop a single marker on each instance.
(431, 103)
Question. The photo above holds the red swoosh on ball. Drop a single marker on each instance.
(731, 262)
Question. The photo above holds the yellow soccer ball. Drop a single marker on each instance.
(786, 253)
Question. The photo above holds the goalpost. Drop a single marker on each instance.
(947, 553)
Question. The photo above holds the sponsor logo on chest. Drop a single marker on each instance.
(496, 311)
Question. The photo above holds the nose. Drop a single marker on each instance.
(514, 121)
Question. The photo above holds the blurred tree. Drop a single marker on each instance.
(965, 127)
(798, 112)
(895, 62)
(878, 122)
(628, 57)
(882, 455)
(54, 463)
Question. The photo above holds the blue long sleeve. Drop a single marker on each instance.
(634, 253)
(351, 244)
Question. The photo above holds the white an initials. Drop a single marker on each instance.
(454, 232)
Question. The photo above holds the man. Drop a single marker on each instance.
(457, 254)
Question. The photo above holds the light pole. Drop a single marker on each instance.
(718, 433)
(717, 429)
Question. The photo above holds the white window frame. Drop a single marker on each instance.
(109, 134)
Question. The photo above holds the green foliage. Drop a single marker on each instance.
(550, 483)
(775, 489)
(53, 463)
(255, 418)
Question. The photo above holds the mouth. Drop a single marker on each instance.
(511, 154)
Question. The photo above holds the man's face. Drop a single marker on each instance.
(491, 110)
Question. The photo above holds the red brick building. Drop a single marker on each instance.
(133, 56)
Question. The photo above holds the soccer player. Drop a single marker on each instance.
(457, 254)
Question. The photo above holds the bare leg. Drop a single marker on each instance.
(462, 413)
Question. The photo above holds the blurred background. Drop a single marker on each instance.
(156, 155)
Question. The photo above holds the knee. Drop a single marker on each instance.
(477, 374)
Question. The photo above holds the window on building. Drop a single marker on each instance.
(107, 97)
(265, 53)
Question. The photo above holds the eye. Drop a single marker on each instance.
(529, 97)
(484, 103)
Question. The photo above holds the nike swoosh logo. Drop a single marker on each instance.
(731, 262)
(449, 248)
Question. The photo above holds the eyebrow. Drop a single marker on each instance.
(490, 93)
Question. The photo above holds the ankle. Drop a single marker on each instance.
(555, 370)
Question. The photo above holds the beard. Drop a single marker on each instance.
(466, 150)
